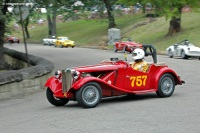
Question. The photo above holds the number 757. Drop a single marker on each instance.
(138, 80)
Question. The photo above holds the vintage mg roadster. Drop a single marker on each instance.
(89, 84)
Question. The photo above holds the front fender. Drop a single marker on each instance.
(53, 84)
(185, 50)
(77, 85)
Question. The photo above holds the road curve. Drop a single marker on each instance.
(147, 113)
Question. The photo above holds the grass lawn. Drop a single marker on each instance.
(94, 32)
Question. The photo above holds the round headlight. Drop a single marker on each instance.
(58, 74)
(75, 74)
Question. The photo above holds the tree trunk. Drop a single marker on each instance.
(175, 23)
(26, 27)
(175, 26)
(53, 32)
(49, 24)
(2, 31)
(110, 15)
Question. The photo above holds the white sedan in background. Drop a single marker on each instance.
(49, 41)
(183, 49)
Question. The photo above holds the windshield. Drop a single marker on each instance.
(186, 43)
(63, 38)
(190, 44)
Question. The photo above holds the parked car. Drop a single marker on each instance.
(89, 84)
(64, 42)
(126, 46)
(49, 41)
(12, 39)
(183, 49)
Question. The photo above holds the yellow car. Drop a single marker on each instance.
(64, 42)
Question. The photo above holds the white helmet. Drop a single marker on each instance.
(138, 54)
(187, 42)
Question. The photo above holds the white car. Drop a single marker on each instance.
(183, 49)
(49, 41)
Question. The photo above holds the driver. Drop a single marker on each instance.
(139, 63)
(187, 42)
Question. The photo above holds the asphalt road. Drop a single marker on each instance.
(147, 113)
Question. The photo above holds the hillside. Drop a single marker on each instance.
(94, 32)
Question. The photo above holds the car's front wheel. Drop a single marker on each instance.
(166, 85)
(124, 49)
(55, 101)
(89, 96)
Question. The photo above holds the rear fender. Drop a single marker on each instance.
(161, 72)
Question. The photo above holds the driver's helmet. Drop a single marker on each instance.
(187, 42)
(138, 54)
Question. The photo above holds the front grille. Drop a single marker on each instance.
(66, 80)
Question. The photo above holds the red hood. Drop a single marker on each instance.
(134, 44)
(99, 67)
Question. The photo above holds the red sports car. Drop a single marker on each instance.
(12, 39)
(89, 84)
(126, 46)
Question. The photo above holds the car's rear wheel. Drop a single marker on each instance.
(9, 41)
(166, 85)
(55, 101)
(170, 53)
(72, 46)
(89, 96)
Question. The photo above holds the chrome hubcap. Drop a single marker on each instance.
(167, 85)
(90, 94)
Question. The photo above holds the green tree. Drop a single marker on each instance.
(51, 7)
(171, 9)
(54, 7)
(27, 20)
(3, 10)
(108, 4)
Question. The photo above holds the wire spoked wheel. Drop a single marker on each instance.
(89, 96)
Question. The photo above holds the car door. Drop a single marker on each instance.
(136, 80)
(177, 50)
(56, 42)
(120, 46)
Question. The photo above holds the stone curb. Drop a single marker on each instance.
(39, 67)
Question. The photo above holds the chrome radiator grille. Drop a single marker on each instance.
(66, 80)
